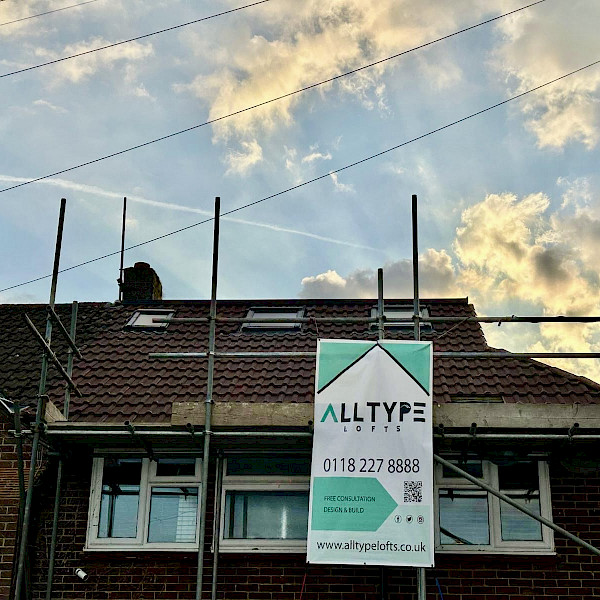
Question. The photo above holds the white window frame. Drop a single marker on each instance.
(162, 313)
(258, 483)
(148, 479)
(497, 545)
(274, 312)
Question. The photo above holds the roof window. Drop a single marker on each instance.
(400, 311)
(273, 312)
(143, 319)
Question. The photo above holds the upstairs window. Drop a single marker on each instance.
(400, 311)
(143, 319)
(265, 503)
(472, 520)
(274, 312)
(138, 504)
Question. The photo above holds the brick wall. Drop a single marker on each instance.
(572, 573)
(9, 502)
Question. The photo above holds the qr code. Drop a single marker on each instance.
(413, 491)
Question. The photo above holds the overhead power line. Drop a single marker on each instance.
(314, 179)
(134, 39)
(48, 12)
(248, 108)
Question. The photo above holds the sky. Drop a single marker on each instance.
(509, 201)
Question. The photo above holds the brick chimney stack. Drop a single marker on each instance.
(140, 282)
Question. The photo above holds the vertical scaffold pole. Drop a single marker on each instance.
(40, 411)
(122, 248)
(209, 400)
(415, 259)
(381, 335)
(421, 582)
(217, 519)
(59, 472)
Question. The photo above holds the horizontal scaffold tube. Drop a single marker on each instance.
(483, 354)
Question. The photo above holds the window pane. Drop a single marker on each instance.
(176, 467)
(120, 498)
(274, 313)
(472, 467)
(266, 515)
(464, 517)
(520, 481)
(173, 513)
(517, 526)
(269, 465)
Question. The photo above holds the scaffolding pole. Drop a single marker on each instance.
(120, 280)
(217, 523)
(421, 581)
(387, 320)
(381, 336)
(209, 400)
(59, 472)
(40, 410)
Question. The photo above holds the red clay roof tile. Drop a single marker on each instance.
(120, 382)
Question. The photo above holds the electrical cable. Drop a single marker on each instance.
(315, 179)
(248, 108)
(48, 12)
(134, 39)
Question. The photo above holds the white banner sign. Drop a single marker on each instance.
(371, 494)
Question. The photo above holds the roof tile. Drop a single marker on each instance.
(120, 382)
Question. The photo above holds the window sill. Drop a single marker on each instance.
(149, 548)
(257, 548)
(519, 551)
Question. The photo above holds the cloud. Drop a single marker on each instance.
(81, 68)
(49, 105)
(436, 274)
(311, 41)
(309, 158)
(541, 44)
(341, 187)
(240, 162)
(510, 255)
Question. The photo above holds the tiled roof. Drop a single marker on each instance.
(121, 382)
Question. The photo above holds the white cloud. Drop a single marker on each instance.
(240, 162)
(311, 41)
(341, 187)
(313, 156)
(544, 43)
(78, 69)
(49, 105)
(508, 252)
(436, 274)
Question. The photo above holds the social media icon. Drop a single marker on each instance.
(420, 519)
(398, 518)
(409, 518)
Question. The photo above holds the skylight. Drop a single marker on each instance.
(273, 312)
(143, 319)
